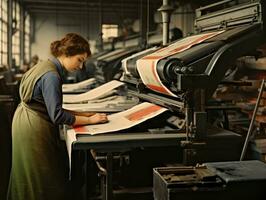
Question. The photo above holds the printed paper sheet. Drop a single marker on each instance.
(146, 66)
(124, 119)
(119, 121)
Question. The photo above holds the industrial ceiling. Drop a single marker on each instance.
(128, 7)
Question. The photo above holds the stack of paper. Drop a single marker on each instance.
(113, 103)
(71, 87)
(96, 93)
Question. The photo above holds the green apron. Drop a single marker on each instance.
(39, 165)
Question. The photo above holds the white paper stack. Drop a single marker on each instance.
(71, 87)
(96, 93)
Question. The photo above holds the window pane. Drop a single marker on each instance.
(109, 31)
(15, 37)
(27, 39)
(3, 32)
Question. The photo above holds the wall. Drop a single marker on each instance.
(183, 17)
(48, 28)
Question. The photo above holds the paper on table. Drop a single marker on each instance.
(124, 119)
(95, 93)
(147, 65)
(80, 85)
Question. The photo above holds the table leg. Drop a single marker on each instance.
(109, 181)
(85, 194)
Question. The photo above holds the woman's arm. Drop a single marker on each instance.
(52, 94)
(87, 114)
(82, 118)
(93, 119)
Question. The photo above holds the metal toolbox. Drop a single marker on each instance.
(221, 180)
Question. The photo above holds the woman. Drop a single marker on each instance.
(39, 169)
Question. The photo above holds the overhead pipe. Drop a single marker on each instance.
(166, 11)
(100, 26)
(143, 26)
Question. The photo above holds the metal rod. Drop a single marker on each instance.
(100, 26)
(143, 26)
(165, 33)
(166, 22)
(249, 134)
(166, 11)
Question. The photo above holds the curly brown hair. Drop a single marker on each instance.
(70, 45)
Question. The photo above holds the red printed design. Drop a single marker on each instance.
(142, 113)
(81, 129)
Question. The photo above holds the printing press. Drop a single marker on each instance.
(108, 66)
(190, 75)
(194, 74)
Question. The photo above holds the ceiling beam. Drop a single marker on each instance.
(29, 7)
(56, 2)
(119, 3)
(83, 12)
(121, 6)
(103, 10)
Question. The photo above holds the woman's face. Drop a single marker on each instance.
(73, 63)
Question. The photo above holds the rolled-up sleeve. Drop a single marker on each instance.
(51, 87)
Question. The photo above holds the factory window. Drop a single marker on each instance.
(27, 38)
(16, 33)
(3, 33)
(109, 31)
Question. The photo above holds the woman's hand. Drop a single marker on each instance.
(98, 118)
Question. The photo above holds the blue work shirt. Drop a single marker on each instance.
(48, 91)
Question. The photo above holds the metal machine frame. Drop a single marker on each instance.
(244, 33)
